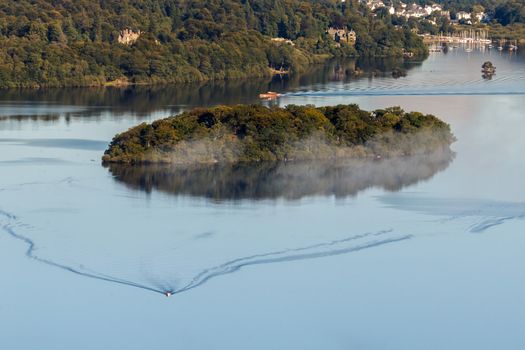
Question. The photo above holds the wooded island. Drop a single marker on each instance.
(253, 133)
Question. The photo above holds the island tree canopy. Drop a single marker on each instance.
(251, 133)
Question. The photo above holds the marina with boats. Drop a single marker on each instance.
(466, 36)
(470, 38)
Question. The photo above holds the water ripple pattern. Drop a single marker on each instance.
(434, 78)
(172, 283)
(485, 214)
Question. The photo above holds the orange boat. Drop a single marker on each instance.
(270, 95)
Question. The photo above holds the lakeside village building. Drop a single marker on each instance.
(406, 10)
(417, 11)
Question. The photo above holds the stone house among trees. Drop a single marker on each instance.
(128, 37)
(342, 35)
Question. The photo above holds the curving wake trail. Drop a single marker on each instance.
(486, 213)
(304, 253)
(31, 247)
(487, 223)
(335, 247)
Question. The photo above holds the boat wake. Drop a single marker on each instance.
(9, 228)
(485, 213)
(487, 223)
(371, 92)
(321, 250)
(173, 284)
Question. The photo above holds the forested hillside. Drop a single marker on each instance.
(76, 42)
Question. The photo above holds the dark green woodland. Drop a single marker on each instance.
(58, 43)
(254, 133)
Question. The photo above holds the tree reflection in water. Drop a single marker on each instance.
(291, 180)
(159, 261)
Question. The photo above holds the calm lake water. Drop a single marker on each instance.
(418, 253)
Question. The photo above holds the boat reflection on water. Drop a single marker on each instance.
(290, 180)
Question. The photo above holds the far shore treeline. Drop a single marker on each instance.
(254, 133)
(56, 43)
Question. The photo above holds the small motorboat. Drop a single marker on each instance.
(270, 95)
(168, 294)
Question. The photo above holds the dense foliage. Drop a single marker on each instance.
(75, 42)
(514, 31)
(256, 133)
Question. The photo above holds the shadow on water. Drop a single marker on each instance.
(291, 180)
(343, 70)
(331, 248)
(50, 105)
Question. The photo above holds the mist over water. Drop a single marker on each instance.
(168, 263)
(403, 253)
(155, 269)
(291, 180)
